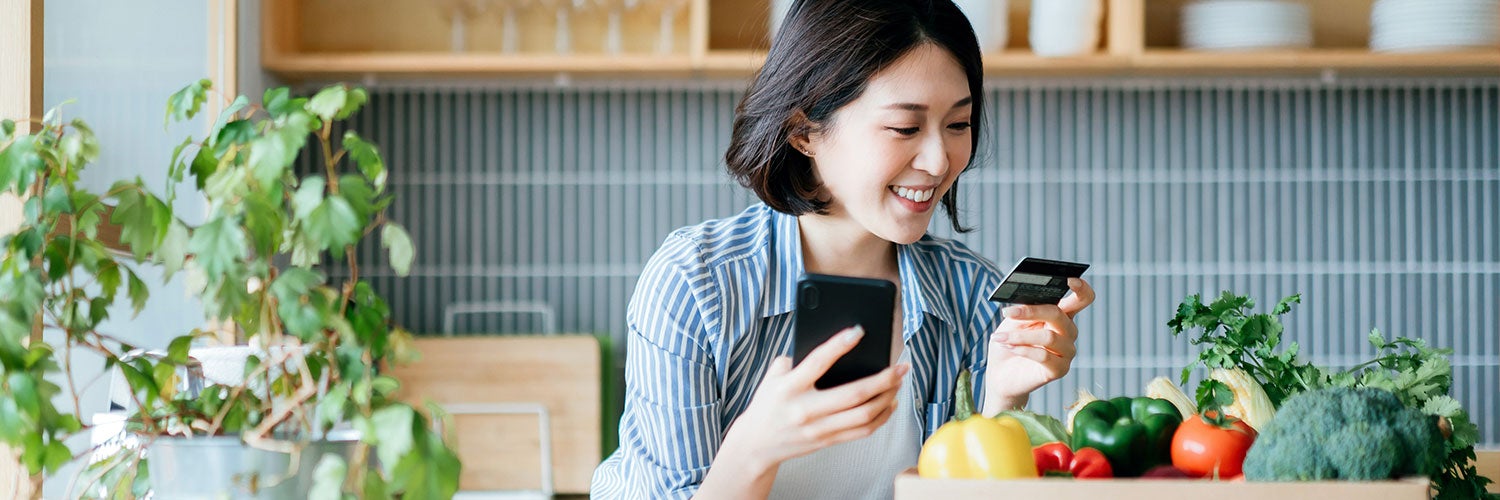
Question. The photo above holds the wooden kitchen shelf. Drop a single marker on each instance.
(330, 39)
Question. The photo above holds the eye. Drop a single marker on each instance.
(960, 126)
(906, 131)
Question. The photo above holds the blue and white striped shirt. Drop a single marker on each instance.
(714, 306)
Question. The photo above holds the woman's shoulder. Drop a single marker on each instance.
(713, 241)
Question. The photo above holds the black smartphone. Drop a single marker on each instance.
(1037, 281)
(826, 305)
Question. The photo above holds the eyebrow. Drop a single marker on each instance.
(911, 106)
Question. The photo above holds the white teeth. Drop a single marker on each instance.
(913, 195)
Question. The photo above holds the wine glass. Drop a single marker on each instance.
(564, 8)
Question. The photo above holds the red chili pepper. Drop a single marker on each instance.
(1055, 459)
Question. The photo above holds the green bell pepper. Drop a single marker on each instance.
(1135, 434)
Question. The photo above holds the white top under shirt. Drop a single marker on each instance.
(860, 469)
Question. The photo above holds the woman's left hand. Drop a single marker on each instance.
(1033, 346)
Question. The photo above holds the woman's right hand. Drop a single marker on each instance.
(788, 417)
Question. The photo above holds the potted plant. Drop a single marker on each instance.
(319, 345)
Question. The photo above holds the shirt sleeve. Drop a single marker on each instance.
(986, 318)
(671, 428)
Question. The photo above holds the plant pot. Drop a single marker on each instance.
(225, 467)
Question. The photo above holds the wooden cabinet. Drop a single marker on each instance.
(322, 39)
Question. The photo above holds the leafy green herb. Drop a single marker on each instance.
(1419, 375)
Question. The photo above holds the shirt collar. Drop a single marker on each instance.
(921, 284)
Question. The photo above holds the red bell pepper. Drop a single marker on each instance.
(1055, 459)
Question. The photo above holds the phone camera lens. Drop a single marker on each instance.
(809, 297)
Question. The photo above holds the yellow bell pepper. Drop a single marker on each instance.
(978, 448)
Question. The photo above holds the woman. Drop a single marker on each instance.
(860, 121)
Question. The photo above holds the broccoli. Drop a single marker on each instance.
(1345, 433)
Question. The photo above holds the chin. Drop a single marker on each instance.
(903, 236)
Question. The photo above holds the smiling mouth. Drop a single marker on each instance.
(915, 195)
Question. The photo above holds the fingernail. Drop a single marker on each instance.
(853, 335)
(1000, 337)
(902, 369)
(1013, 311)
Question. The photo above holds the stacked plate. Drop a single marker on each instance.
(1246, 25)
(1430, 25)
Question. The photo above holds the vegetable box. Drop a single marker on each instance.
(911, 487)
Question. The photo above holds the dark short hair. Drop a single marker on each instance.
(823, 57)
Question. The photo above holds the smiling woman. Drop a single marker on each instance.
(858, 126)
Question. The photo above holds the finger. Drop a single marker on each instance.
(1054, 343)
(1033, 353)
(822, 357)
(1048, 316)
(1034, 313)
(1083, 295)
(855, 423)
(860, 391)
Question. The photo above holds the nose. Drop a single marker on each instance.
(932, 156)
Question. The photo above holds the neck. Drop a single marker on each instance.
(844, 249)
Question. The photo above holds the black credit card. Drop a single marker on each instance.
(1037, 281)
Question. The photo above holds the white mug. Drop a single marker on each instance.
(1065, 27)
(990, 19)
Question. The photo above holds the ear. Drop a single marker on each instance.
(800, 133)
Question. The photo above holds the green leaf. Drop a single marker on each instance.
(11, 424)
(1214, 395)
(205, 164)
(7, 127)
(218, 245)
(293, 283)
(1443, 406)
(393, 427)
(184, 104)
(263, 220)
(19, 164)
(239, 103)
(384, 385)
(375, 486)
(308, 196)
(177, 351)
(57, 455)
(1285, 306)
(235, 132)
(357, 191)
(269, 158)
(331, 406)
(143, 221)
(356, 99)
(23, 388)
(278, 102)
(57, 200)
(88, 142)
(328, 479)
(138, 291)
(367, 157)
(327, 103)
(172, 253)
(334, 225)
(395, 239)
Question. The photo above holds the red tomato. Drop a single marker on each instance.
(1206, 449)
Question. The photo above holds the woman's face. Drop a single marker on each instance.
(886, 158)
